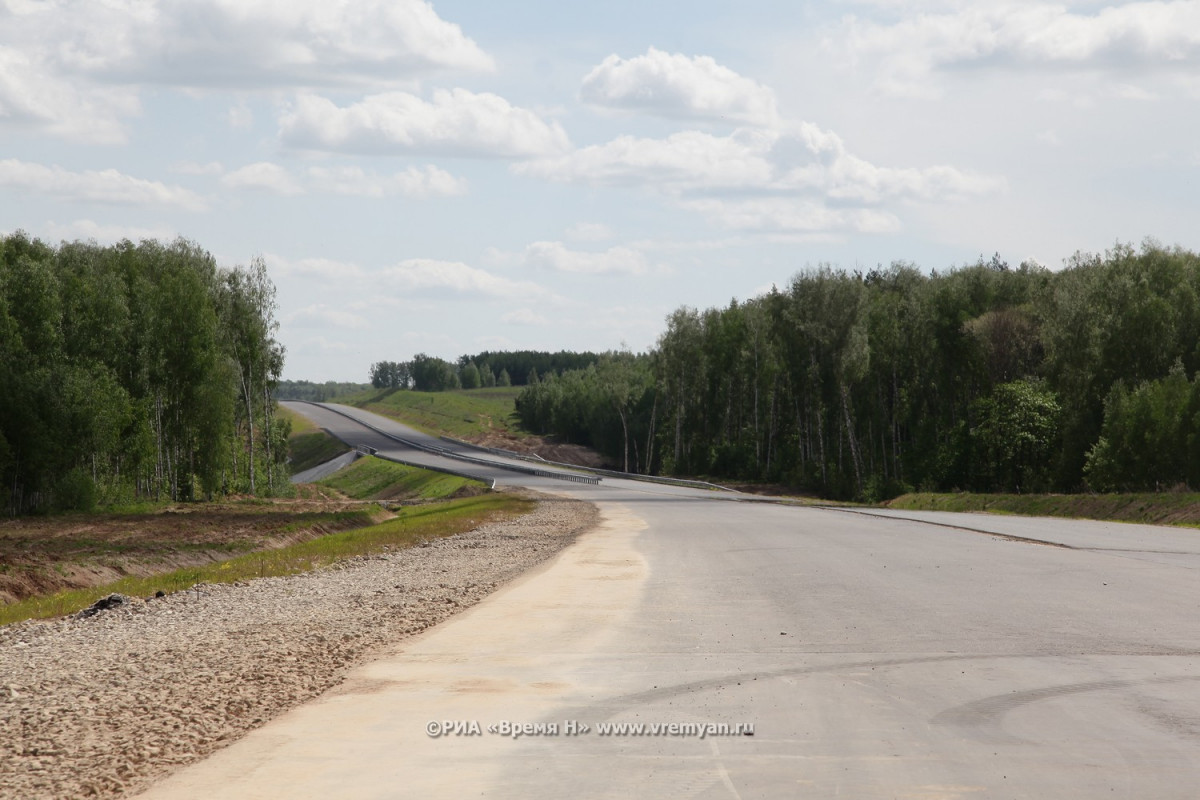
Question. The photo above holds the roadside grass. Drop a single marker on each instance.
(376, 479)
(410, 527)
(300, 423)
(462, 414)
(1151, 508)
(309, 450)
(309, 446)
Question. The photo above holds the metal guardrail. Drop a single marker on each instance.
(611, 473)
(441, 451)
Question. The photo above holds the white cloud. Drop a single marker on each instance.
(689, 159)
(323, 268)
(87, 229)
(196, 168)
(240, 116)
(323, 345)
(74, 67)
(94, 186)
(243, 43)
(428, 181)
(589, 232)
(524, 316)
(456, 122)
(786, 214)
(556, 256)
(796, 159)
(674, 85)
(264, 176)
(454, 276)
(1151, 35)
(32, 96)
(320, 315)
(412, 182)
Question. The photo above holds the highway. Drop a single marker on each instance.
(876, 655)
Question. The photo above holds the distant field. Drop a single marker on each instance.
(1162, 508)
(376, 479)
(466, 414)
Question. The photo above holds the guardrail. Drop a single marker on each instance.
(441, 451)
(611, 473)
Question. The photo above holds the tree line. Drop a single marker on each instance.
(316, 392)
(984, 378)
(426, 373)
(134, 371)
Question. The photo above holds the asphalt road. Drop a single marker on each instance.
(876, 656)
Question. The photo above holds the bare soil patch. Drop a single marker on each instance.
(42, 555)
(540, 446)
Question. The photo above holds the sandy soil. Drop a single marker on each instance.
(540, 446)
(103, 706)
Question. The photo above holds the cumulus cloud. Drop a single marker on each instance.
(794, 159)
(94, 186)
(428, 181)
(264, 176)
(74, 67)
(557, 256)
(788, 214)
(1150, 35)
(321, 268)
(33, 97)
(455, 122)
(688, 159)
(453, 276)
(675, 85)
(90, 230)
(320, 315)
(243, 43)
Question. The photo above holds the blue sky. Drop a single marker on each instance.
(460, 176)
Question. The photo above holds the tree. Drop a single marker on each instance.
(469, 376)
(1016, 434)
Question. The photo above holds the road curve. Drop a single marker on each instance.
(876, 656)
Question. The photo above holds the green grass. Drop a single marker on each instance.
(309, 446)
(1154, 508)
(461, 414)
(412, 526)
(309, 450)
(300, 423)
(376, 479)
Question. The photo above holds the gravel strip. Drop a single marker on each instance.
(104, 706)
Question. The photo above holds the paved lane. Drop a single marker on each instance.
(875, 656)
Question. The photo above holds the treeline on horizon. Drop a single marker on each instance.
(134, 372)
(316, 392)
(866, 385)
(426, 373)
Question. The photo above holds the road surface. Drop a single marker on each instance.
(882, 655)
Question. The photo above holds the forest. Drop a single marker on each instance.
(869, 384)
(134, 372)
(483, 370)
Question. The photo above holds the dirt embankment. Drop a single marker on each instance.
(103, 706)
(42, 555)
(540, 446)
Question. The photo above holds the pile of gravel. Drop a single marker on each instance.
(104, 703)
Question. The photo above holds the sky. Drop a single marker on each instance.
(471, 175)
